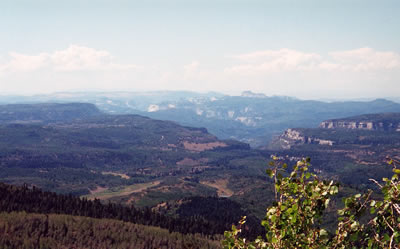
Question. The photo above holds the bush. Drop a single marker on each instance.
(294, 220)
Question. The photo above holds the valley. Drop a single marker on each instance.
(126, 159)
(181, 171)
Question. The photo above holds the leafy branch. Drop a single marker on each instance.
(293, 221)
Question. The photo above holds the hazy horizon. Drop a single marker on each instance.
(308, 50)
(83, 92)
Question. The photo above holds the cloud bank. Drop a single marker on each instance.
(361, 72)
(273, 61)
(73, 58)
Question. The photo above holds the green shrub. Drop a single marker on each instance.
(294, 220)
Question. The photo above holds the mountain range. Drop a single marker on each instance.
(252, 118)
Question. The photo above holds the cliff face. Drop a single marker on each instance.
(361, 125)
(363, 130)
(293, 137)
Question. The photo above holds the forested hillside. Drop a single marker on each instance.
(34, 200)
(46, 112)
(32, 231)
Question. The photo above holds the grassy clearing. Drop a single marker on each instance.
(123, 176)
(221, 185)
(117, 192)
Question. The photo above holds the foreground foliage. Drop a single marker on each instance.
(301, 198)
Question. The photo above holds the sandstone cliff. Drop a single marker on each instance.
(292, 137)
(377, 122)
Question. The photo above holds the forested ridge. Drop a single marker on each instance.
(34, 200)
(33, 231)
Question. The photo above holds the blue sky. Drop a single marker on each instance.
(309, 49)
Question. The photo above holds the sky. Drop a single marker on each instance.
(310, 49)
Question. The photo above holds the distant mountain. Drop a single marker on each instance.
(251, 118)
(256, 119)
(112, 102)
(46, 112)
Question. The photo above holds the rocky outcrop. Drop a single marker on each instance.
(292, 137)
(367, 129)
(381, 125)
(348, 125)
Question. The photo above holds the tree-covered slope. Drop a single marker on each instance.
(46, 112)
(24, 230)
(89, 149)
(34, 200)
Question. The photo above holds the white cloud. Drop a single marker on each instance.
(191, 67)
(284, 55)
(190, 70)
(275, 61)
(362, 72)
(24, 63)
(364, 59)
(74, 58)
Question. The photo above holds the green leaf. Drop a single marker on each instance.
(270, 173)
(334, 190)
(326, 203)
(354, 237)
(323, 232)
(372, 210)
(264, 223)
(396, 171)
